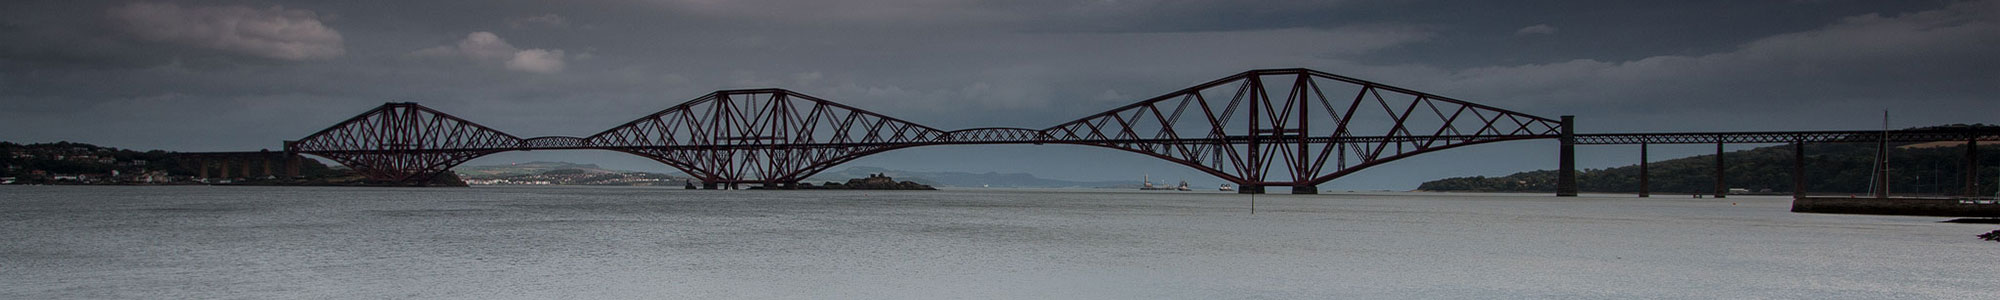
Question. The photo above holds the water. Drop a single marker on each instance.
(540, 243)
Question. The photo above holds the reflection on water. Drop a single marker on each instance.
(538, 243)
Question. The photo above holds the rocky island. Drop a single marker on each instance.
(872, 182)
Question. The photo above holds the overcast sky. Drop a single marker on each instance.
(245, 75)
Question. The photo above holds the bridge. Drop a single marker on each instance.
(1294, 128)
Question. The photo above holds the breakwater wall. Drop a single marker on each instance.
(1943, 207)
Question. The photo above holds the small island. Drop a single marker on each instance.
(876, 181)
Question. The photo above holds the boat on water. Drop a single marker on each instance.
(1227, 188)
(1148, 186)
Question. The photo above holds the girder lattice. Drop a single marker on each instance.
(1282, 127)
(404, 143)
(767, 136)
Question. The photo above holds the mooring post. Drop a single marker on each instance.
(1799, 169)
(1645, 188)
(1566, 175)
(1972, 166)
(1721, 186)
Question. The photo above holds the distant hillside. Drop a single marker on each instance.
(44, 162)
(947, 179)
(963, 179)
(529, 168)
(1921, 168)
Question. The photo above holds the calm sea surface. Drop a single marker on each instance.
(197, 242)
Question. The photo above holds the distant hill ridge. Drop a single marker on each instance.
(963, 179)
(530, 168)
(947, 179)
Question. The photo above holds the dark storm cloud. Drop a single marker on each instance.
(1028, 15)
(1935, 63)
(274, 32)
(197, 76)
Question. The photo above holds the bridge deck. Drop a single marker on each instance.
(1751, 137)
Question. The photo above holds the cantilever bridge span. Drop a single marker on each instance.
(1279, 127)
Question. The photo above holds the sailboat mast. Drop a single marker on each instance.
(1882, 160)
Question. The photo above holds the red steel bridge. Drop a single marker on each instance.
(1280, 127)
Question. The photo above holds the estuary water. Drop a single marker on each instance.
(200, 242)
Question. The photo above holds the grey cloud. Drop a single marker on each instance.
(1543, 29)
(1028, 15)
(1937, 57)
(544, 20)
(276, 32)
(487, 47)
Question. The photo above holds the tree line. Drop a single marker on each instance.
(1830, 168)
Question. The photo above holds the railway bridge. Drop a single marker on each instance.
(1294, 128)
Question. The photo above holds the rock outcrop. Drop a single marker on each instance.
(872, 182)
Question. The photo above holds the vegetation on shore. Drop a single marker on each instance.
(80, 163)
(1914, 168)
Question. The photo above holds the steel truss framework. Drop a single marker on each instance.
(1279, 127)
(1283, 127)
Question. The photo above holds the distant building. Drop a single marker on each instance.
(153, 177)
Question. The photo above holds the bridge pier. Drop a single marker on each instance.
(1305, 189)
(1566, 157)
(1721, 185)
(292, 159)
(1249, 189)
(1799, 169)
(708, 185)
(1972, 166)
(1645, 187)
(292, 163)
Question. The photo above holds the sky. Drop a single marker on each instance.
(246, 75)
